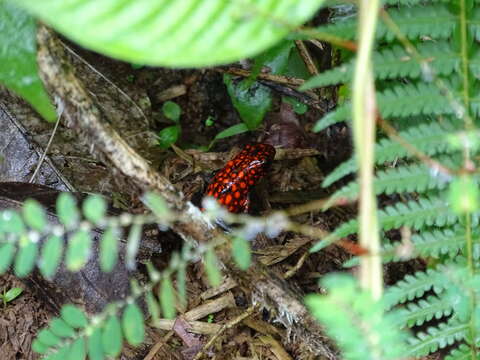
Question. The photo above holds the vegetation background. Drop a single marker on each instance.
(195, 76)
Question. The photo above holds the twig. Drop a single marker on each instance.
(226, 285)
(158, 345)
(225, 327)
(297, 266)
(307, 59)
(197, 327)
(317, 44)
(279, 79)
(42, 158)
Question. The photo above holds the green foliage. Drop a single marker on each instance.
(18, 55)
(180, 34)
(355, 321)
(26, 240)
(212, 268)
(252, 101)
(230, 131)
(10, 295)
(170, 134)
(428, 95)
(172, 111)
(241, 252)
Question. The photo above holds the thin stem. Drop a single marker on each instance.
(364, 119)
(464, 57)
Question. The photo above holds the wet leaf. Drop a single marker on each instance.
(18, 51)
(188, 33)
(133, 326)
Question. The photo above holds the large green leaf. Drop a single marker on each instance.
(18, 58)
(175, 33)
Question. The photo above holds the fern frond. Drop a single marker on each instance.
(355, 321)
(429, 138)
(432, 20)
(415, 286)
(395, 62)
(400, 101)
(417, 313)
(438, 337)
(463, 352)
(403, 179)
(425, 244)
(415, 214)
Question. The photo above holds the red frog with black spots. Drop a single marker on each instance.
(232, 184)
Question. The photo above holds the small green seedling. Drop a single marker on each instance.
(10, 295)
(170, 134)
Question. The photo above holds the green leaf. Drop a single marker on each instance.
(298, 107)
(133, 327)
(78, 250)
(34, 215)
(94, 208)
(230, 131)
(212, 268)
(60, 328)
(168, 136)
(73, 316)
(18, 51)
(51, 256)
(77, 350)
(153, 307)
(252, 101)
(171, 111)
(133, 243)
(275, 59)
(188, 33)
(109, 249)
(112, 337)
(182, 282)
(48, 338)
(167, 298)
(11, 222)
(241, 252)
(6, 256)
(352, 318)
(157, 204)
(12, 294)
(26, 257)
(95, 346)
(61, 354)
(67, 210)
(464, 195)
(39, 347)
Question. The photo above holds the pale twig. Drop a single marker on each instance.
(306, 57)
(279, 79)
(317, 44)
(44, 154)
(297, 266)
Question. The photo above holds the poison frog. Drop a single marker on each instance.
(231, 185)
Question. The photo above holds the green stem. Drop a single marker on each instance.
(464, 57)
(469, 243)
(364, 118)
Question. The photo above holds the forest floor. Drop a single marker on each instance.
(201, 95)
